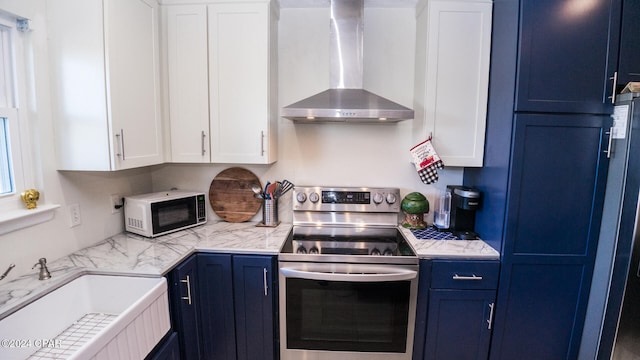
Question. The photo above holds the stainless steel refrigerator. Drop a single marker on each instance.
(620, 336)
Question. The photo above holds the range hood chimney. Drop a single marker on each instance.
(346, 100)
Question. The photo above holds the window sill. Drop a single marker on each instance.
(18, 219)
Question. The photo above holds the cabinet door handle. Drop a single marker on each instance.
(120, 140)
(490, 320)
(202, 140)
(262, 143)
(608, 151)
(615, 84)
(472, 277)
(266, 286)
(188, 282)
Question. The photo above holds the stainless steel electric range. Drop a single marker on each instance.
(348, 278)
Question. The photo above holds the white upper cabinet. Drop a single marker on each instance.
(105, 83)
(228, 53)
(453, 47)
(186, 33)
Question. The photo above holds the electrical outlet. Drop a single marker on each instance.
(116, 203)
(74, 215)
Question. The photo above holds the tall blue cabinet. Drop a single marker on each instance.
(553, 68)
(568, 53)
(628, 62)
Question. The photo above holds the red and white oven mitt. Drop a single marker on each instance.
(427, 161)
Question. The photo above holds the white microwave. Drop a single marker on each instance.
(164, 212)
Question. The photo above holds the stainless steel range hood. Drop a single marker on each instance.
(346, 100)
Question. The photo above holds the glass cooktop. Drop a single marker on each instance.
(346, 241)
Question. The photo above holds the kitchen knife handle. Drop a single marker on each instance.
(188, 282)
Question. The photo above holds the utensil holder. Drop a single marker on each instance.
(270, 212)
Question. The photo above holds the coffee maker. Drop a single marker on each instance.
(464, 203)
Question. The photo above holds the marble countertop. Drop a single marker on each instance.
(451, 249)
(130, 254)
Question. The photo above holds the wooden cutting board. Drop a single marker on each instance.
(231, 197)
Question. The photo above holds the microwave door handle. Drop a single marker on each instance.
(395, 275)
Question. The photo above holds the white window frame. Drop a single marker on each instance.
(14, 65)
(13, 212)
(15, 153)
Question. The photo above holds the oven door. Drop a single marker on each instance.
(347, 311)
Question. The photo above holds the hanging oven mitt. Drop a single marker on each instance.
(427, 161)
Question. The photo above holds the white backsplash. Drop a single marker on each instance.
(334, 154)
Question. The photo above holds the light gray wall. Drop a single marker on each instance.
(335, 154)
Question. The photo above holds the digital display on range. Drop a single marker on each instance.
(346, 197)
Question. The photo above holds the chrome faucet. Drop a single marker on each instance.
(44, 272)
(6, 272)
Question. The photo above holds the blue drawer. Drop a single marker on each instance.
(451, 274)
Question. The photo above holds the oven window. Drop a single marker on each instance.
(172, 214)
(347, 316)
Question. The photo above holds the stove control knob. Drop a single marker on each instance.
(387, 252)
(391, 199)
(313, 250)
(301, 250)
(378, 198)
(314, 197)
(375, 252)
(301, 197)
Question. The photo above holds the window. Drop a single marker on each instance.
(10, 153)
(14, 148)
(17, 170)
(6, 170)
(7, 181)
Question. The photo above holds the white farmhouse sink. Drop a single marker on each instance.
(91, 317)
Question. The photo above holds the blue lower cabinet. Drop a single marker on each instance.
(459, 324)
(215, 296)
(456, 304)
(255, 289)
(223, 307)
(183, 305)
(167, 349)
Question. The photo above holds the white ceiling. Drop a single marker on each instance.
(367, 3)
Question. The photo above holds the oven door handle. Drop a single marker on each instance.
(362, 274)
